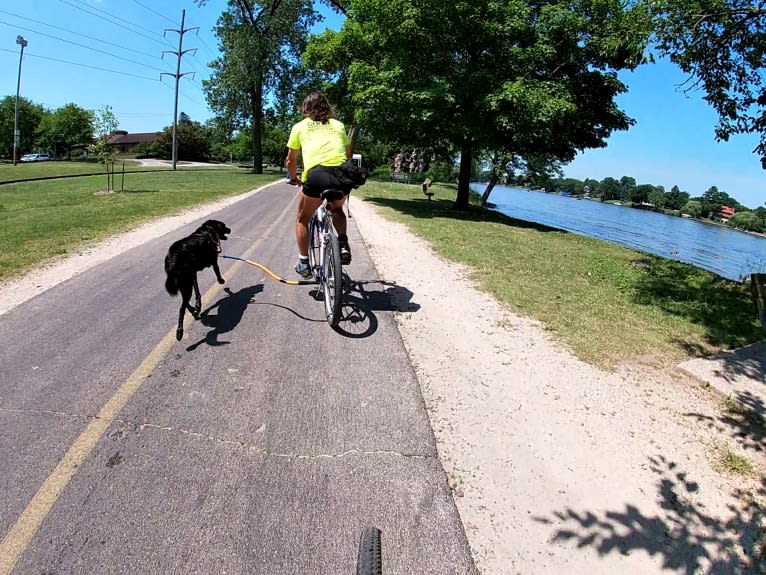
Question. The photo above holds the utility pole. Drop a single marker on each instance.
(178, 74)
(16, 133)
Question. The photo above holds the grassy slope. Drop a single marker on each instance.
(606, 302)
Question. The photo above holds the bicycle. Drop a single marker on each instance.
(324, 256)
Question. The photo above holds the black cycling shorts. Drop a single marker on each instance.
(322, 178)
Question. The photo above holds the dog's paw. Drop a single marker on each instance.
(221, 281)
(179, 333)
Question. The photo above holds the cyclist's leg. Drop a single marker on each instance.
(306, 208)
(323, 178)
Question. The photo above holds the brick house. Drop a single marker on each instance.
(724, 213)
(125, 142)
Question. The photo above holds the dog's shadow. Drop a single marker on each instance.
(230, 311)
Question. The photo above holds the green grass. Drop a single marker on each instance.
(33, 170)
(608, 303)
(44, 219)
(732, 462)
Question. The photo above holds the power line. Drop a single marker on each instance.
(182, 95)
(80, 45)
(79, 34)
(155, 12)
(83, 65)
(213, 54)
(112, 21)
(116, 17)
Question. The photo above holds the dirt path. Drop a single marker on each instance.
(556, 466)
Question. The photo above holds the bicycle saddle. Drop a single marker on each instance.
(331, 194)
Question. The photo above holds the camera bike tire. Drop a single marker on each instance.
(370, 560)
(332, 280)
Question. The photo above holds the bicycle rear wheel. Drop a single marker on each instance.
(332, 279)
(370, 561)
(315, 244)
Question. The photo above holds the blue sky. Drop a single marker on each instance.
(109, 52)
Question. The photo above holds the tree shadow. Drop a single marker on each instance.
(725, 308)
(445, 208)
(230, 311)
(687, 538)
(742, 419)
(746, 362)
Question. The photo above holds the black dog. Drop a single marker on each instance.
(188, 256)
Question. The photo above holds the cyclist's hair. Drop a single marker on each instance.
(317, 107)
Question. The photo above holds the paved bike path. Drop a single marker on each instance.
(262, 443)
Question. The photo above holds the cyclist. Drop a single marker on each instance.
(325, 146)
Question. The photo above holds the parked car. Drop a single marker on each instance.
(35, 157)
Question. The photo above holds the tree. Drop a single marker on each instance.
(692, 208)
(105, 124)
(66, 126)
(592, 187)
(191, 138)
(30, 115)
(657, 197)
(503, 76)
(747, 221)
(721, 45)
(675, 199)
(610, 189)
(627, 184)
(260, 43)
(640, 194)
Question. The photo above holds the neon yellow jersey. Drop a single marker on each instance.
(320, 144)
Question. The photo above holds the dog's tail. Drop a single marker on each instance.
(171, 283)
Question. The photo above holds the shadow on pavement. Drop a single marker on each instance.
(358, 319)
(230, 311)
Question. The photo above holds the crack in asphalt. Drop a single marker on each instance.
(222, 440)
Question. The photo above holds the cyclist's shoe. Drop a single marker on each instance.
(303, 269)
(345, 252)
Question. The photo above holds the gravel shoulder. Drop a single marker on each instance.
(556, 466)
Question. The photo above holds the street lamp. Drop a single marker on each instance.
(16, 134)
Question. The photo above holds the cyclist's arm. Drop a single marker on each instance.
(292, 164)
(349, 155)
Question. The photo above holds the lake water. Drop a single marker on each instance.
(729, 253)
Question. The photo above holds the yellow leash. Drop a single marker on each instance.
(271, 274)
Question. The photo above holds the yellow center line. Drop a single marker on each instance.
(28, 523)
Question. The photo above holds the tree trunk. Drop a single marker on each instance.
(256, 101)
(352, 132)
(464, 179)
(488, 190)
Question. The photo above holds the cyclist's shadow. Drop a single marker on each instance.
(358, 317)
(230, 312)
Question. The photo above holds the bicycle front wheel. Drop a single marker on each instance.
(333, 279)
